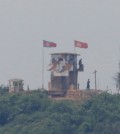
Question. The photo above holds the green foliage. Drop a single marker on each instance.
(3, 90)
(117, 79)
(34, 113)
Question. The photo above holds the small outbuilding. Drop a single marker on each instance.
(15, 85)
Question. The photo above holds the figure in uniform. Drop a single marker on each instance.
(81, 68)
(88, 84)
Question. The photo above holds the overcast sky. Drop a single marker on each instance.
(24, 24)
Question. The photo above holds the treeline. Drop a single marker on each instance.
(35, 113)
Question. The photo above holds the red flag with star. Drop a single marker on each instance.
(49, 44)
(80, 44)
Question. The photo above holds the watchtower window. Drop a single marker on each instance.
(20, 84)
(15, 83)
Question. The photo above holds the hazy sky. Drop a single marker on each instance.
(24, 24)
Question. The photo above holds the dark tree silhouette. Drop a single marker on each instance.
(117, 79)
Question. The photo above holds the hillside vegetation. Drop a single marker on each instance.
(35, 113)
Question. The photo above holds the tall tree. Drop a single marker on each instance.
(117, 79)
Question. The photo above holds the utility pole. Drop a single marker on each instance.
(95, 72)
(119, 78)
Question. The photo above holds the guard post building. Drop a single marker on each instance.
(16, 85)
(64, 73)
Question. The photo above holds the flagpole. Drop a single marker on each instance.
(43, 68)
(74, 47)
(45, 44)
(73, 68)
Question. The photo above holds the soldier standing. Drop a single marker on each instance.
(88, 84)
